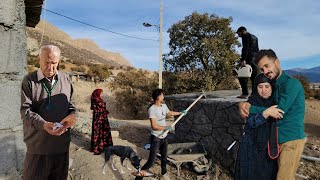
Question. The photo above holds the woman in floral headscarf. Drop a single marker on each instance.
(101, 132)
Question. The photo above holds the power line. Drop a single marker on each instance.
(98, 27)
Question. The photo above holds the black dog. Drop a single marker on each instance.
(124, 152)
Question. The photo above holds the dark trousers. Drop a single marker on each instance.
(46, 167)
(244, 81)
(157, 144)
(244, 85)
(253, 75)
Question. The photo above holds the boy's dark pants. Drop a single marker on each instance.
(157, 144)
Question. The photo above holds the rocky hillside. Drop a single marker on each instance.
(79, 50)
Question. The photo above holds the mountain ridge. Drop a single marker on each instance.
(78, 50)
(313, 74)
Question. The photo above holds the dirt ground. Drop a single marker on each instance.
(132, 133)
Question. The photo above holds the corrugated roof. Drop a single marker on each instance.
(33, 12)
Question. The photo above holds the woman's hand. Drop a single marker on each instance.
(274, 112)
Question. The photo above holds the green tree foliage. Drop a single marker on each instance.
(317, 94)
(78, 69)
(202, 46)
(99, 71)
(62, 66)
(305, 83)
(133, 91)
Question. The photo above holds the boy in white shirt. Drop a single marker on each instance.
(157, 115)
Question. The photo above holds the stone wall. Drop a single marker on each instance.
(12, 69)
(214, 121)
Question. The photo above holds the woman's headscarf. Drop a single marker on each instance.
(95, 97)
(255, 99)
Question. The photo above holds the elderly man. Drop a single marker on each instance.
(289, 96)
(45, 102)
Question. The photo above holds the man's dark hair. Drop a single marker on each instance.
(240, 29)
(264, 52)
(156, 93)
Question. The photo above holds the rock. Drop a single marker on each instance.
(70, 162)
(314, 147)
(87, 136)
(80, 148)
(13, 173)
(17, 128)
(115, 134)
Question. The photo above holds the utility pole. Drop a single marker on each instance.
(160, 47)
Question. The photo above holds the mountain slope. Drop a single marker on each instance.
(313, 74)
(80, 50)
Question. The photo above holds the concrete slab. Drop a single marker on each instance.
(21, 149)
(10, 104)
(8, 13)
(13, 50)
(7, 152)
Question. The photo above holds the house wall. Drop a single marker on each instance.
(13, 51)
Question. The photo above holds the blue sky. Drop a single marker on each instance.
(290, 27)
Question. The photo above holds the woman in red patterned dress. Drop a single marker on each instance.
(101, 132)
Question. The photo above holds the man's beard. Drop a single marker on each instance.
(273, 72)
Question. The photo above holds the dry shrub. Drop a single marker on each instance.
(195, 81)
(78, 69)
(133, 92)
(62, 66)
(305, 83)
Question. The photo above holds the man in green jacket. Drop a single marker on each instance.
(289, 96)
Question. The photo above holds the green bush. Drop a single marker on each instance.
(317, 95)
(78, 69)
(62, 66)
(194, 81)
(99, 71)
(80, 63)
(130, 68)
(305, 83)
(133, 91)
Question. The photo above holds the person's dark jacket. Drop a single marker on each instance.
(249, 47)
